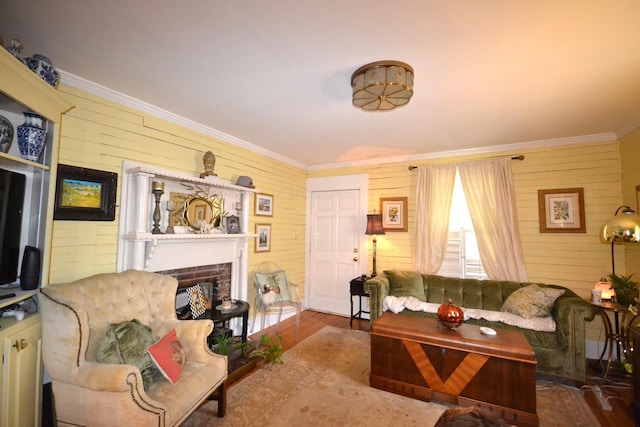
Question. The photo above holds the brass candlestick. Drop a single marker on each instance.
(157, 188)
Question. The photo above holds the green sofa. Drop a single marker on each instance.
(560, 354)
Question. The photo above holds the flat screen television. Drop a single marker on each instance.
(12, 188)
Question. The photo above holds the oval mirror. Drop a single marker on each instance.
(199, 209)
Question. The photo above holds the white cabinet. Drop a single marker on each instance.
(21, 373)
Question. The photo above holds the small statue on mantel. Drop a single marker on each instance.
(209, 161)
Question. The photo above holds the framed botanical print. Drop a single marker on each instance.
(394, 213)
(561, 210)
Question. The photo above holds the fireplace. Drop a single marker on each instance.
(217, 274)
(190, 257)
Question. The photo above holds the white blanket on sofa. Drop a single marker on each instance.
(397, 304)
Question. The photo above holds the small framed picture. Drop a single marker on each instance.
(85, 194)
(263, 241)
(197, 301)
(233, 224)
(264, 204)
(561, 210)
(394, 213)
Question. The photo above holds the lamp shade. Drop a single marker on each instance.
(374, 224)
(623, 227)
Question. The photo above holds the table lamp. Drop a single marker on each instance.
(374, 227)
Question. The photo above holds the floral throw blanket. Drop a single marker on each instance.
(544, 324)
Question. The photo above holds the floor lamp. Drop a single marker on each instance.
(623, 228)
(374, 227)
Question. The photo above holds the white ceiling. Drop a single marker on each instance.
(276, 74)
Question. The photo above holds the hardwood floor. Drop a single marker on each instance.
(312, 321)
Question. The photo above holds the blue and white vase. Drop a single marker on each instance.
(31, 136)
(43, 67)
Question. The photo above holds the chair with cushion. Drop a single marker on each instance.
(154, 369)
(274, 294)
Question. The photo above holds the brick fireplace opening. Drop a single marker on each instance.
(217, 274)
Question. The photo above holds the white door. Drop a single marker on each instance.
(337, 219)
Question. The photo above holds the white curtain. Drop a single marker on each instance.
(488, 187)
(434, 191)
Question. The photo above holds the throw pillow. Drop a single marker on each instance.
(406, 284)
(532, 301)
(276, 282)
(126, 343)
(169, 356)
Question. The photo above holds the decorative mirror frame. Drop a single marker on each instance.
(215, 203)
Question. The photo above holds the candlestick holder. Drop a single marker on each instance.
(157, 188)
(170, 208)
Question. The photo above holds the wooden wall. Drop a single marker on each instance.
(100, 134)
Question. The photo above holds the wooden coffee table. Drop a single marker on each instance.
(419, 358)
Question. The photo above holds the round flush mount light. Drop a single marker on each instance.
(382, 85)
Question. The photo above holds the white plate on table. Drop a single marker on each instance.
(219, 307)
(487, 331)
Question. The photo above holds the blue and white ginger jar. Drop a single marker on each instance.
(31, 136)
(43, 67)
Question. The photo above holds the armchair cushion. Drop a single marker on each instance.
(169, 356)
(126, 343)
(276, 281)
(406, 284)
(532, 301)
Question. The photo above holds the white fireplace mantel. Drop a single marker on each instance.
(139, 249)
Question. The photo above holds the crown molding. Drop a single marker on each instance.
(109, 94)
(584, 139)
(126, 100)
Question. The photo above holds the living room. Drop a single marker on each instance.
(106, 127)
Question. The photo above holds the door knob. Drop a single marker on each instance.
(21, 344)
(355, 258)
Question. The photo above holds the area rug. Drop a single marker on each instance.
(324, 381)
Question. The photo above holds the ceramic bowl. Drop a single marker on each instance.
(6, 134)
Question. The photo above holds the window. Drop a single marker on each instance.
(462, 258)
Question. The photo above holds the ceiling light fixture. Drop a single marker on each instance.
(382, 85)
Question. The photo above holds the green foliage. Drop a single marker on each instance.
(270, 350)
(626, 289)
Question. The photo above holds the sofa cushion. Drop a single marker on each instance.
(532, 301)
(126, 343)
(406, 284)
(169, 356)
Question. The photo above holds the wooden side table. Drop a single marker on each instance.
(357, 290)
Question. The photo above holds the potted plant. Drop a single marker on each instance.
(269, 350)
(626, 289)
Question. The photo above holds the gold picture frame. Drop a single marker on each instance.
(263, 204)
(263, 241)
(394, 213)
(561, 210)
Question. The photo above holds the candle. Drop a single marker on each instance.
(238, 206)
(157, 186)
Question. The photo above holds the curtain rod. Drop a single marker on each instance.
(514, 157)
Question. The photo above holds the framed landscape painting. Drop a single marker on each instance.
(264, 204)
(561, 210)
(85, 194)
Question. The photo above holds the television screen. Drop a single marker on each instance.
(12, 188)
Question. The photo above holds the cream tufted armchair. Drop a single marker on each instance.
(74, 318)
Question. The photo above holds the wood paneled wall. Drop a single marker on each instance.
(100, 134)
